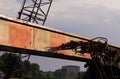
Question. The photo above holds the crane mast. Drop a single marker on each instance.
(35, 11)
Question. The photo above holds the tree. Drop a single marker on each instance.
(80, 75)
(9, 64)
(31, 71)
(12, 66)
(48, 75)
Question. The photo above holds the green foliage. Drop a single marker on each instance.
(31, 71)
(12, 66)
(9, 63)
(47, 75)
(81, 75)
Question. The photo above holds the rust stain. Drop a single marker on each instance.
(19, 35)
(87, 55)
(57, 40)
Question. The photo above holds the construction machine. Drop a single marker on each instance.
(105, 60)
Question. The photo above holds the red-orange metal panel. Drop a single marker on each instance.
(86, 55)
(57, 40)
(20, 35)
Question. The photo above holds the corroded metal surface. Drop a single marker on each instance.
(19, 35)
(25, 37)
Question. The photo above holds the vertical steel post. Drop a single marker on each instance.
(21, 10)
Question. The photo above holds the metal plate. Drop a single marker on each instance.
(20, 35)
(41, 39)
(3, 32)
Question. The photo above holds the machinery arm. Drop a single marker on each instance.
(97, 47)
(98, 44)
(103, 56)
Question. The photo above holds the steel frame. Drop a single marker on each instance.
(35, 11)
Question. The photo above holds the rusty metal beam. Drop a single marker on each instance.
(29, 38)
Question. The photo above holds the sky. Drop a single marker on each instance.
(90, 18)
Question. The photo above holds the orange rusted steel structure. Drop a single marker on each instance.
(29, 38)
